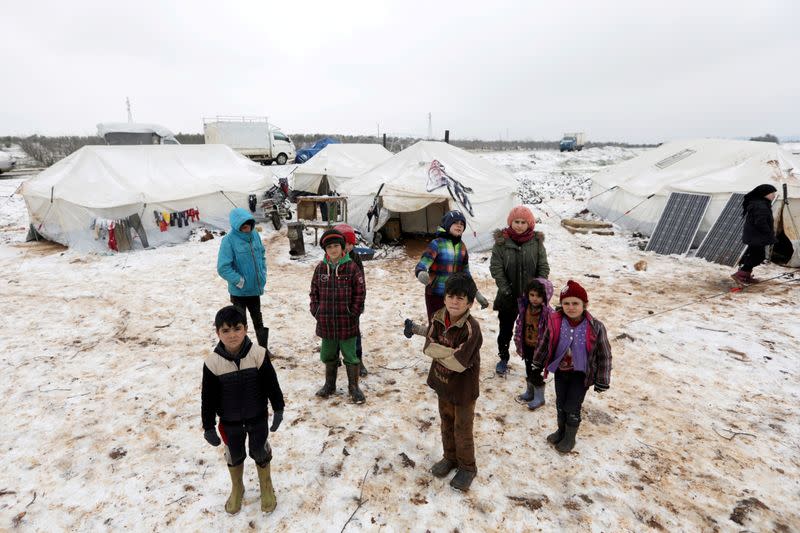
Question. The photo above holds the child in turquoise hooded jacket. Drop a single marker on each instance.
(242, 263)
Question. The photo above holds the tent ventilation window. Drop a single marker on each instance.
(674, 158)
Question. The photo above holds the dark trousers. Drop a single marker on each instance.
(753, 256)
(432, 304)
(457, 440)
(507, 318)
(570, 393)
(252, 304)
(532, 375)
(256, 431)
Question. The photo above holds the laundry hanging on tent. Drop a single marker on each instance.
(166, 219)
(119, 232)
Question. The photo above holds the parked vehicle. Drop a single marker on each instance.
(276, 203)
(7, 162)
(304, 154)
(572, 141)
(121, 133)
(253, 137)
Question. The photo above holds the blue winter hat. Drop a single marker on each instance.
(451, 217)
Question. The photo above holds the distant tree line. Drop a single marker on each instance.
(47, 150)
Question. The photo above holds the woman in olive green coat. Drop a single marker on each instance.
(517, 257)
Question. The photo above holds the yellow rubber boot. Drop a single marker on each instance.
(234, 503)
(268, 501)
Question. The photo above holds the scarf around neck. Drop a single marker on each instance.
(519, 238)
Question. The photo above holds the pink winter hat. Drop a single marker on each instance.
(521, 212)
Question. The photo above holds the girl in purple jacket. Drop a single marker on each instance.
(534, 311)
(575, 348)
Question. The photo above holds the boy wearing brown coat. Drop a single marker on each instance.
(453, 340)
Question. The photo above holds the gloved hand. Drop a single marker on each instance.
(211, 437)
(240, 283)
(277, 418)
(423, 277)
(408, 328)
(482, 300)
(599, 387)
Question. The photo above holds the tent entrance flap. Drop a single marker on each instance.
(424, 220)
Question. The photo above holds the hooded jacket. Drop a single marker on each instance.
(759, 224)
(522, 305)
(337, 298)
(440, 259)
(512, 265)
(242, 255)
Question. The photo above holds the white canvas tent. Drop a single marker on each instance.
(335, 164)
(115, 182)
(640, 186)
(426, 179)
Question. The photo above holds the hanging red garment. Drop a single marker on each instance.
(112, 239)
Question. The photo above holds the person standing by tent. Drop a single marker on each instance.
(445, 255)
(242, 263)
(336, 300)
(518, 256)
(350, 243)
(758, 231)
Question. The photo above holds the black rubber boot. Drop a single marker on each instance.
(352, 384)
(528, 394)
(462, 480)
(262, 335)
(362, 370)
(566, 444)
(443, 467)
(555, 437)
(330, 380)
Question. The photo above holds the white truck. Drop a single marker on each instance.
(572, 141)
(253, 137)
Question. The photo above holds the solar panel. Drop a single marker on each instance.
(674, 158)
(679, 223)
(723, 243)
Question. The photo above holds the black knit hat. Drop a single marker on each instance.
(451, 217)
(330, 237)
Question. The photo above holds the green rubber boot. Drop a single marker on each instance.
(268, 501)
(234, 503)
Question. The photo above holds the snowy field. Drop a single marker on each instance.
(102, 358)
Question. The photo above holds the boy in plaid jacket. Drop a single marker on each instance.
(337, 299)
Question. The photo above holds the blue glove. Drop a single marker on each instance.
(211, 437)
(277, 418)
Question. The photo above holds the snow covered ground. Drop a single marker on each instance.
(102, 359)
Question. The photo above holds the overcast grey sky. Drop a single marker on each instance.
(629, 71)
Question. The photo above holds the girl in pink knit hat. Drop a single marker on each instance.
(518, 256)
